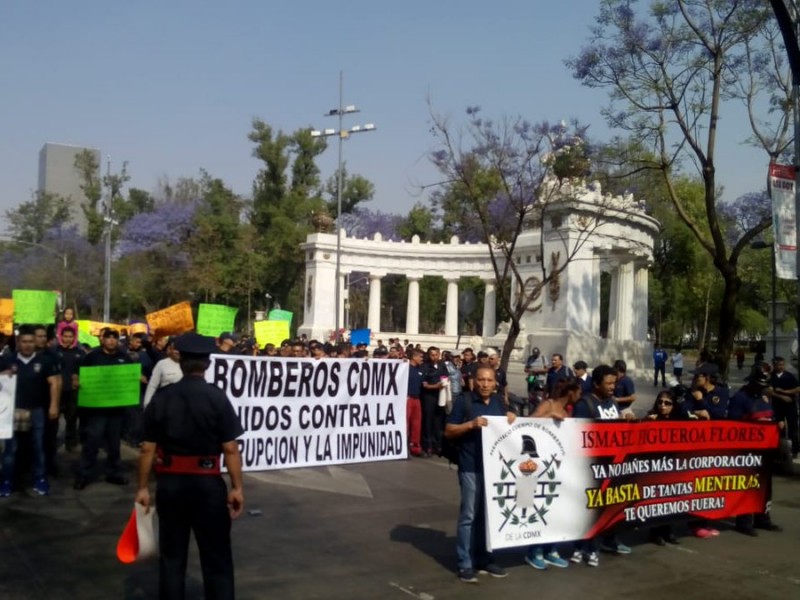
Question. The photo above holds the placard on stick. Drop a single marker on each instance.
(109, 386)
(6, 316)
(214, 319)
(34, 307)
(271, 332)
(173, 320)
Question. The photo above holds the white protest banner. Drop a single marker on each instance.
(781, 185)
(549, 482)
(8, 386)
(306, 412)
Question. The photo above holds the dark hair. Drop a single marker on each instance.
(566, 385)
(447, 356)
(27, 330)
(620, 366)
(192, 365)
(484, 368)
(581, 364)
(670, 396)
(778, 359)
(414, 352)
(69, 328)
(560, 357)
(600, 372)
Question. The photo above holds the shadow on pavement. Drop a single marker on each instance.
(431, 542)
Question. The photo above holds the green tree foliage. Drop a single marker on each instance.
(286, 193)
(420, 221)
(93, 186)
(355, 190)
(669, 68)
(31, 220)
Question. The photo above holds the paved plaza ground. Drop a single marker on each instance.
(372, 531)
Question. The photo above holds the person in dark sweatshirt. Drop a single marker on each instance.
(600, 404)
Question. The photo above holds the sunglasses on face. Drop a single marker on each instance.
(664, 403)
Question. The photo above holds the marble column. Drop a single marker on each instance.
(612, 304)
(374, 318)
(412, 308)
(594, 321)
(489, 309)
(623, 321)
(640, 308)
(451, 315)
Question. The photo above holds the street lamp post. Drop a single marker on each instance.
(343, 134)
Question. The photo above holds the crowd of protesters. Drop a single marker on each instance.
(449, 395)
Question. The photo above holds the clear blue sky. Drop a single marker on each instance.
(173, 86)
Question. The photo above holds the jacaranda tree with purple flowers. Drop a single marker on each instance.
(669, 68)
(500, 178)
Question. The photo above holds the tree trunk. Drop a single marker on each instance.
(727, 322)
(508, 346)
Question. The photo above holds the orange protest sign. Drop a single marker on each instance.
(96, 327)
(137, 328)
(173, 320)
(6, 316)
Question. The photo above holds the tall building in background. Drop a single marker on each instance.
(57, 175)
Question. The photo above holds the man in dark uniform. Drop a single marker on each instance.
(186, 427)
(102, 427)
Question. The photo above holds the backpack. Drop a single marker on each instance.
(450, 448)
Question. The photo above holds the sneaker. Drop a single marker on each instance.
(41, 487)
(493, 570)
(467, 576)
(536, 561)
(554, 558)
(616, 548)
(623, 549)
(577, 557)
(713, 532)
(592, 559)
(702, 533)
(6, 489)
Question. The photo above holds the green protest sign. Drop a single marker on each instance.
(213, 319)
(108, 386)
(34, 307)
(88, 339)
(280, 315)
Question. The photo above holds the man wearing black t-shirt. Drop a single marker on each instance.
(70, 356)
(36, 398)
(784, 400)
(102, 426)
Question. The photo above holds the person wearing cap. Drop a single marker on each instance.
(226, 343)
(712, 401)
(102, 427)
(751, 403)
(186, 428)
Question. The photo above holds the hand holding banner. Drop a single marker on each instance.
(213, 319)
(109, 386)
(173, 320)
(271, 332)
(34, 307)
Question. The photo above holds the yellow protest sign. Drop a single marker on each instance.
(271, 332)
(173, 320)
(96, 327)
(7, 316)
(137, 328)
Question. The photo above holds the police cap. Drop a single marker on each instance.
(194, 343)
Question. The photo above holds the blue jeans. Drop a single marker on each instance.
(37, 442)
(471, 529)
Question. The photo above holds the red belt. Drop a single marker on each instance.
(186, 465)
